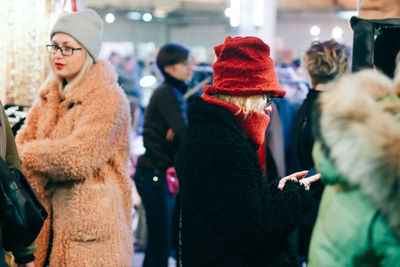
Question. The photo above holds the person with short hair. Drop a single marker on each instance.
(324, 62)
(163, 129)
(128, 77)
(74, 148)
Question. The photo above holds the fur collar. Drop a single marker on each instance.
(360, 124)
(101, 75)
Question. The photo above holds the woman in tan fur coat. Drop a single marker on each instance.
(74, 148)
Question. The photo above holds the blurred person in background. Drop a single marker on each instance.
(9, 154)
(230, 214)
(163, 129)
(129, 78)
(324, 62)
(114, 59)
(74, 149)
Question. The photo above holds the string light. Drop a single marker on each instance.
(25, 27)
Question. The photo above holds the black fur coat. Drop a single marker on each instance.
(231, 215)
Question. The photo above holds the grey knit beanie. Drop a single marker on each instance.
(84, 26)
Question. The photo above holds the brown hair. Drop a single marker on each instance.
(326, 61)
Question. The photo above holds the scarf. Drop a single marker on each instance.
(253, 126)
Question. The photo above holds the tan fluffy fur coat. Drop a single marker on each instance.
(74, 152)
(360, 123)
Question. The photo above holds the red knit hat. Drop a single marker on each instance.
(244, 68)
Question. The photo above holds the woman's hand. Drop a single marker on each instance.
(29, 264)
(309, 180)
(300, 176)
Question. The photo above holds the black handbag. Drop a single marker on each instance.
(21, 213)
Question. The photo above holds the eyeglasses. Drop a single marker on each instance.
(268, 100)
(65, 50)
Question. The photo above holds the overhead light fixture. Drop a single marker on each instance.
(147, 17)
(347, 14)
(148, 81)
(228, 12)
(258, 12)
(110, 18)
(134, 15)
(67, 6)
(315, 30)
(337, 33)
(235, 13)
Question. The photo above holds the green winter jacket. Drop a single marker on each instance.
(358, 155)
(9, 153)
(350, 230)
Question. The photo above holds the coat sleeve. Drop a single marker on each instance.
(384, 242)
(28, 130)
(170, 108)
(12, 158)
(98, 134)
(244, 207)
(25, 255)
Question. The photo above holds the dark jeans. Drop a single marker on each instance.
(158, 205)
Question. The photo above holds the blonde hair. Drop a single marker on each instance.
(326, 61)
(245, 103)
(52, 77)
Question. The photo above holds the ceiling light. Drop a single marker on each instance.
(110, 18)
(235, 14)
(347, 14)
(148, 81)
(133, 15)
(337, 33)
(228, 12)
(147, 17)
(315, 30)
(258, 12)
(67, 6)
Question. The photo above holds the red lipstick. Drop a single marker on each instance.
(59, 65)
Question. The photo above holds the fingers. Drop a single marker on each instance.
(309, 180)
(306, 182)
(299, 175)
(315, 177)
(282, 182)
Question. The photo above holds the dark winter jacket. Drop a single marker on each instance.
(304, 140)
(231, 216)
(166, 110)
(302, 130)
(9, 153)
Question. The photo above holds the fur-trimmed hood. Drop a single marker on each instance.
(360, 125)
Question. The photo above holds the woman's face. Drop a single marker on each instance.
(181, 71)
(67, 67)
(268, 102)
